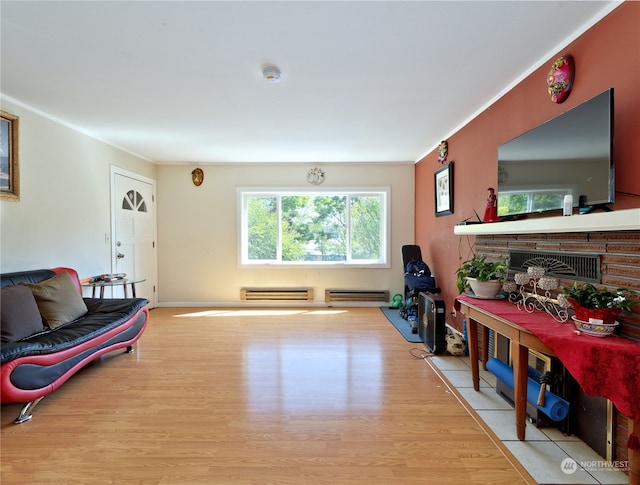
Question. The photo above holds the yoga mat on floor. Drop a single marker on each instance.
(554, 407)
(402, 325)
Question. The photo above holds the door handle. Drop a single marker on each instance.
(119, 255)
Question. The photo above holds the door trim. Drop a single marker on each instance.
(114, 170)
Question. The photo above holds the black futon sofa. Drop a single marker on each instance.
(49, 332)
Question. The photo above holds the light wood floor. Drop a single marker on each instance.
(292, 396)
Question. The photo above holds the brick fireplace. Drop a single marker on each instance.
(619, 258)
(619, 261)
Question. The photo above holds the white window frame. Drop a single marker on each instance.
(243, 193)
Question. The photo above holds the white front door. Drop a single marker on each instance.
(133, 232)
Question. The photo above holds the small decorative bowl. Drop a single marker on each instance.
(595, 329)
(521, 278)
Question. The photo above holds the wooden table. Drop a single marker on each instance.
(521, 340)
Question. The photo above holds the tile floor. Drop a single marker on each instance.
(548, 455)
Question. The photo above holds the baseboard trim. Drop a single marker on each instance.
(262, 304)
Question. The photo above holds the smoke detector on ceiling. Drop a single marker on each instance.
(271, 74)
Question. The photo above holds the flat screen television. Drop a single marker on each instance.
(569, 154)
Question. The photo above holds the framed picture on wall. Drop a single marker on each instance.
(9, 174)
(444, 190)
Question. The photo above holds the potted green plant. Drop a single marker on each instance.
(601, 303)
(482, 276)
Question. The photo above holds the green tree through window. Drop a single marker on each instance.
(314, 228)
(262, 225)
(530, 201)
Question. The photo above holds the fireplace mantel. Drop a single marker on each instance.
(619, 220)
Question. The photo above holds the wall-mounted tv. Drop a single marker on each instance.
(569, 154)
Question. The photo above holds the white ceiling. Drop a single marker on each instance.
(362, 81)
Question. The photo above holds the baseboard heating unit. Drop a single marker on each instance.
(276, 294)
(356, 295)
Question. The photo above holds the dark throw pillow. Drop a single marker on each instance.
(19, 314)
(58, 300)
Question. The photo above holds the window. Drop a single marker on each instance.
(303, 227)
(134, 201)
(526, 202)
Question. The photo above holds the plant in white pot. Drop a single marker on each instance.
(483, 277)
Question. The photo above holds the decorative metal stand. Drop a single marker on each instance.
(539, 297)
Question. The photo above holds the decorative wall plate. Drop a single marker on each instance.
(197, 176)
(315, 176)
(443, 151)
(560, 78)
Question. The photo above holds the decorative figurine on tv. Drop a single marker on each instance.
(491, 212)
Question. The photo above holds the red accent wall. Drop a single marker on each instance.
(607, 55)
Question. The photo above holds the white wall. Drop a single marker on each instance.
(64, 213)
(64, 209)
(198, 236)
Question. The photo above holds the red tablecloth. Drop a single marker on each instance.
(603, 366)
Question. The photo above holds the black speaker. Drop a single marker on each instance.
(432, 322)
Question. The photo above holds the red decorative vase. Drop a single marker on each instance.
(607, 315)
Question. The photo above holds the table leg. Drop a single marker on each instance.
(520, 360)
(126, 294)
(101, 292)
(133, 290)
(472, 331)
(484, 332)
